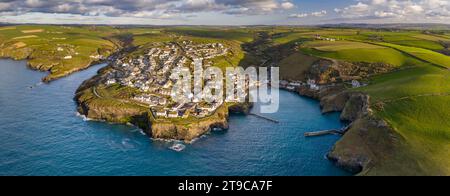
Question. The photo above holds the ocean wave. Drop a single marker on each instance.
(84, 117)
(165, 140)
(198, 138)
(178, 147)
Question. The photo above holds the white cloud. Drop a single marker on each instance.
(312, 14)
(398, 10)
(319, 14)
(145, 8)
(378, 2)
(287, 5)
(302, 15)
(4, 6)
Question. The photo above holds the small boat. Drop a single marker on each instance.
(178, 147)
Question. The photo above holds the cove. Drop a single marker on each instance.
(42, 134)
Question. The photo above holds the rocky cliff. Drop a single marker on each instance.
(369, 142)
(189, 131)
(113, 111)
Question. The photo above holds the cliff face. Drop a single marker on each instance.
(352, 152)
(334, 102)
(96, 110)
(356, 107)
(332, 71)
(369, 142)
(188, 132)
(47, 61)
(14, 53)
(106, 110)
(323, 92)
(370, 146)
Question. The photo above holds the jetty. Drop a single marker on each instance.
(326, 132)
(329, 132)
(265, 118)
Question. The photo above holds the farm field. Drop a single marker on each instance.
(414, 98)
(414, 102)
(423, 54)
(364, 54)
(57, 49)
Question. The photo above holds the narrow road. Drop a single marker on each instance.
(94, 90)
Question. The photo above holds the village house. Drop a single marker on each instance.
(161, 113)
(150, 72)
(312, 85)
(356, 84)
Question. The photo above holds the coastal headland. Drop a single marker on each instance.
(391, 85)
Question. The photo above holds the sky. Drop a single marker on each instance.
(224, 12)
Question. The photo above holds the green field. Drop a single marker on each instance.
(414, 100)
(340, 45)
(382, 55)
(46, 47)
(236, 34)
(423, 54)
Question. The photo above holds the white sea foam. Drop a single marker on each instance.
(178, 147)
(85, 118)
(198, 138)
(165, 140)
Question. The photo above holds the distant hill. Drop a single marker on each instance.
(415, 26)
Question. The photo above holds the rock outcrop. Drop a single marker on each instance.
(356, 107)
(368, 143)
(369, 140)
(334, 102)
(100, 109)
(188, 132)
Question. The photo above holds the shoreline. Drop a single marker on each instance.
(358, 151)
(346, 162)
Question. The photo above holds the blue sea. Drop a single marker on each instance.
(41, 134)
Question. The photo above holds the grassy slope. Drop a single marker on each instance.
(293, 69)
(424, 54)
(340, 45)
(384, 55)
(40, 42)
(408, 38)
(120, 96)
(414, 100)
(415, 103)
(236, 34)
